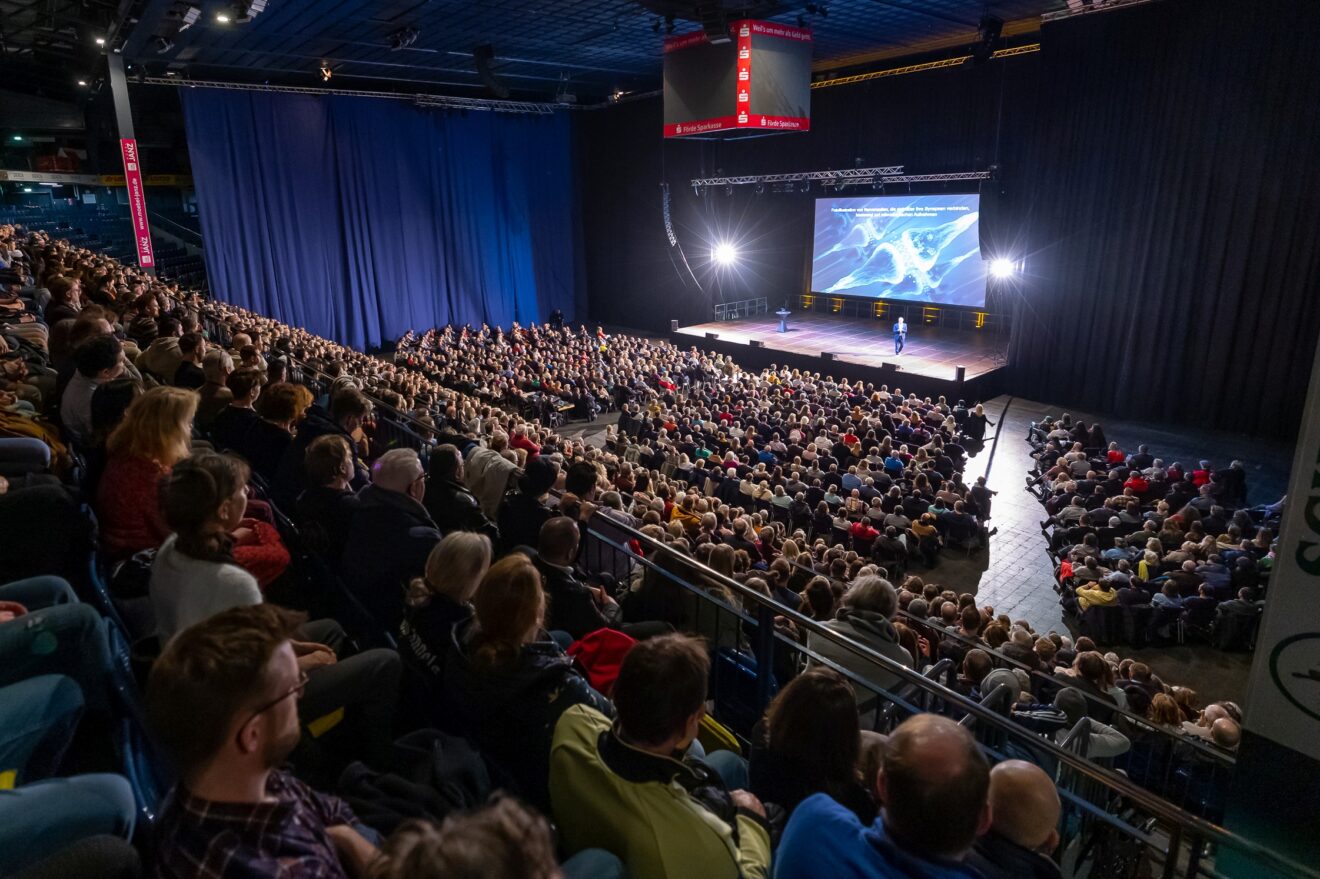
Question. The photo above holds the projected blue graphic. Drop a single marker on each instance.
(922, 248)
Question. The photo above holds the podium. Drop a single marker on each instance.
(783, 314)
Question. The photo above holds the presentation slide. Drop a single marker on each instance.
(921, 248)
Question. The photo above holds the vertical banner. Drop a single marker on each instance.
(137, 202)
(744, 103)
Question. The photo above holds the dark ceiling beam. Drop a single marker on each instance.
(149, 19)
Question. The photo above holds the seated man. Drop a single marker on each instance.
(325, 510)
(222, 700)
(635, 788)
(573, 607)
(1025, 808)
(390, 536)
(933, 789)
(99, 360)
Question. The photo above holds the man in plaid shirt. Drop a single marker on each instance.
(223, 701)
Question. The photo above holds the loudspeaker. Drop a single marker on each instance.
(673, 326)
(756, 343)
(482, 56)
(826, 355)
(712, 335)
(988, 32)
(959, 374)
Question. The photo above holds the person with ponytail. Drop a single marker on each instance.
(195, 576)
(510, 680)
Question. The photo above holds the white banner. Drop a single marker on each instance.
(1284, 698)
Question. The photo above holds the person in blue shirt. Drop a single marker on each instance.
(900, 335)
(933, 788)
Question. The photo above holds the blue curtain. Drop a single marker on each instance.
(359, 219)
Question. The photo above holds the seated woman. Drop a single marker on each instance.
(442, 599)
(156, 434)
(810, 742)
(510, 679)
(195, 576)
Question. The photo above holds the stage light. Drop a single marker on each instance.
(100, 41)
(724, 253)
(18, 137)
(82, 83)
(223, 17)
(1002, 268)
(326, 71)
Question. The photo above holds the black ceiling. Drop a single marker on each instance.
(542, 48)
(589, 48)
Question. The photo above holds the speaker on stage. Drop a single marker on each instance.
(712, 336)
(756, 343)
(959, 374)
(673, 326)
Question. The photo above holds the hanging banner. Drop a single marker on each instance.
(137, 202)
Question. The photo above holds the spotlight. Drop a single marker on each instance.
(403, 39)
(759, 189)
(187, 16)
(18, 137)
(724, 253)
(223, 17)
(1002, 268)
(805, 186)
(82, 83)
(728, 189)
(326, 71)
(100, 41)
(162, 44)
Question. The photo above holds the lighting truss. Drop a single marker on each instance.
(892, 174)
(443, 102)
(857, 175)
(959, 61)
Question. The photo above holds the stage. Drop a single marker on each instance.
(931, 352)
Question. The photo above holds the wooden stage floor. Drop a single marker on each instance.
(933, 352)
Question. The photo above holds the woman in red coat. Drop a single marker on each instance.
(156, 433)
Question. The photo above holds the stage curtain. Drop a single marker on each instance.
(1171, 197)
(360, 218)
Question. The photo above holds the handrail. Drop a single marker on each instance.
(176, 229)
(1202, 748)
(1145, 799)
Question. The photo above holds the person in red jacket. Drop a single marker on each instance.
(156, 433)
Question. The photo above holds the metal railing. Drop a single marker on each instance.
(741, 308)
(1102, 807)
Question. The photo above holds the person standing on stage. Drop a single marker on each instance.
(900, 335)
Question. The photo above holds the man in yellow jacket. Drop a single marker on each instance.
(635, 789)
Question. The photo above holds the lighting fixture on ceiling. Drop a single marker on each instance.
(162, 44)
(223, 17)
(188, 16)
(18, 137)
(100, 41)
(82, 83)
(326, 71)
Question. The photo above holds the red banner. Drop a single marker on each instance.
(137, 202)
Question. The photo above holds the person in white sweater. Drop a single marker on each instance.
(194, 577)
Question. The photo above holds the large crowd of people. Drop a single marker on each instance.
(352, 646)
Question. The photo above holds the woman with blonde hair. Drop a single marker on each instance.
(156, 434)
(442, 599)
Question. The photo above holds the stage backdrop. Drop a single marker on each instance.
(360, 218)
(1159, 178)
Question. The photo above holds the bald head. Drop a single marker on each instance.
(933, 786)
(1226, 733)
(1025, 805)
(558, 540)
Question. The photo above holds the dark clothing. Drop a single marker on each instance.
(324, 515)
(521, 517)
(264, 447)
(1000, 858)
(454, 508)
(199, 839)
(231, 427)
(189, 375)
(290, 480)
(571, 607)
(426, 632)
(388, 542)
(509, 710)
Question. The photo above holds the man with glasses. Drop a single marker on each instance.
(222, 700)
